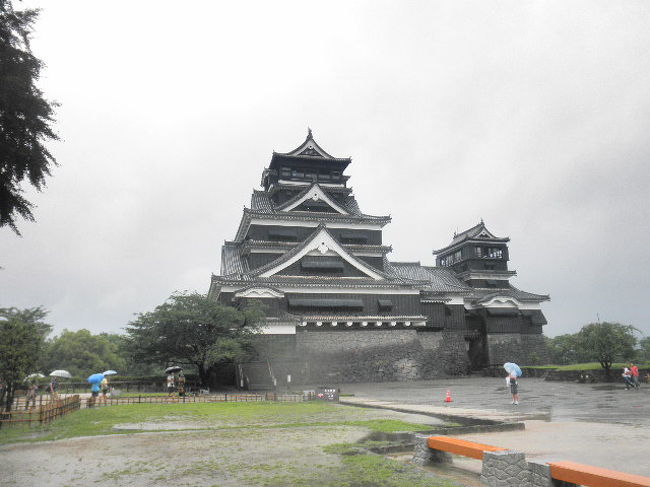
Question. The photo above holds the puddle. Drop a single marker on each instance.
(151, 426)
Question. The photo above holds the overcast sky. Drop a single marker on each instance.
(534, 116)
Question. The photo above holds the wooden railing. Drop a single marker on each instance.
(206, 398)
(44, 413)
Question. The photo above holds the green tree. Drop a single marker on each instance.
(25, 116)
(132, 367)
(82, 353)
(563, 349)
(192, 330)
(644, 348)
(22, 335)
(606, 342)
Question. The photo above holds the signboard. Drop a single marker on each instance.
(327, 393)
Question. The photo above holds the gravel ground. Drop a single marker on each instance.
(249, 456)
(224, 458)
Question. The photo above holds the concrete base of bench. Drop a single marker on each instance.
(509, 468)
(504, 468)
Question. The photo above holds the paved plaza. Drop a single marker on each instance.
(597, 424)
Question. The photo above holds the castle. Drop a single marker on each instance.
(338, 310)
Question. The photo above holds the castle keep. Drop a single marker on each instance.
(338, 310)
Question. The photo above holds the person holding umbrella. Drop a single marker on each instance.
(54, 384)
(94, 380)
(171, 378)
(105, 387)
(53, 387)
(513, 373)
(32, 389)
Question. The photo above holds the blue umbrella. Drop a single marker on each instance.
(95, 378)
(512, 367)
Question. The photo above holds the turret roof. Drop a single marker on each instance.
(477, 232)
(309, 150)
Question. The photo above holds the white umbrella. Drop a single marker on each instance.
(173, 368)
(61, 373)
(109, 372)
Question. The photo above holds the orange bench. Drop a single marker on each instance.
(579, 474)
(460, 447)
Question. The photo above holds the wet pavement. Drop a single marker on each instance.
(596, 424)
(539, 399)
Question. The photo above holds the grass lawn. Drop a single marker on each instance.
(101, 421)
(262, 444)
(585, 366)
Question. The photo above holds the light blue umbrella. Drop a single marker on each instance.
(512, 367)
(95, 378)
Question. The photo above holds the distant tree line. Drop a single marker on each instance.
(605, 343)
(189, 330)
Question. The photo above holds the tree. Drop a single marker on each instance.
(22, 334)
(644, 348)
(192, 330)
(25, 116)
(563, 349)
(82, 353)
(606, 342)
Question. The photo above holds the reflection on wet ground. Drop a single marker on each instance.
(555, 401)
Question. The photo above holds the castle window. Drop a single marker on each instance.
(478, 252)
(326, 304)
(351, 238)
(283, 235)
(494, 253)
(319, 266)
(285, 172)
(296, 173)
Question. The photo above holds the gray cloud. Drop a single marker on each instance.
(533, 116)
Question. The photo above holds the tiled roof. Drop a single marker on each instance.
(231, 261)
(440, 279)
(273, 245)
(484, 295)
(309, 148)
(261, 201)
(470, 234)
(298, 248)
(315, 281)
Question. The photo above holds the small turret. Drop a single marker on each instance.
(306, 164)
(478, 257)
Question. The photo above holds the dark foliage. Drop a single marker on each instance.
(192, 330)
(22, 337)
(25, 116)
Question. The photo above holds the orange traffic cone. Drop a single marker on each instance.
(448, 397)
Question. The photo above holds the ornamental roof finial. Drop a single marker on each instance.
(482, 220)
(309, 136)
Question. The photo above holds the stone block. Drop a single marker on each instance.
(423, 455)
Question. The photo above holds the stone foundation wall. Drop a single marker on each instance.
(519, 348)
(382, 355)
(338, 356)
